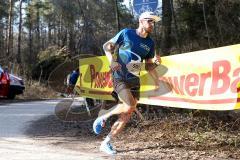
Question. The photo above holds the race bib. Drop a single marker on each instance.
(134, 67)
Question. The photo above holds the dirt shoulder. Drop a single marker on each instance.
(166, 134)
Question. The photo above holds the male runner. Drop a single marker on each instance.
(134, 46)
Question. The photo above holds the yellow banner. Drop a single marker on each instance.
(207, 79)
(95, 79)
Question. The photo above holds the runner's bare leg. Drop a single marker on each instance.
(128, 104)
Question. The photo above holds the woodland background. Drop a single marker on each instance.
(37, 35)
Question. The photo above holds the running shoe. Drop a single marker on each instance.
(107, 148)
(98, 124)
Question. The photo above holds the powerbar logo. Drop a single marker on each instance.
(194, 84)
(100, 79)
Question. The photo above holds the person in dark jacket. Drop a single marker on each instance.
(72, 80)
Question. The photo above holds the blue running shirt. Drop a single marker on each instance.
(133, 49)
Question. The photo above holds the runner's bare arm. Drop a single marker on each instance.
(109, 49)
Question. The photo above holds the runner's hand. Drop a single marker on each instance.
(115, 66)
(158, 60)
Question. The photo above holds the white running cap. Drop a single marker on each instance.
(149, 15)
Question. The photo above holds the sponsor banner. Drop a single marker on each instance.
(95, 79)
(207, 80)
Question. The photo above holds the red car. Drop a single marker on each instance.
(10, 85)
(4, 83)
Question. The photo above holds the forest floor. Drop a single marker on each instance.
(166, 133)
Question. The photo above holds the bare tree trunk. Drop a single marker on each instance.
(176, 27)
(19, 56)
(30, 58)
(65, 38)
(218, 22)
(71, 39)
(49, 34)
(206, 26)
(38, 27)
(5, 56)
(59, 33)
(9, 36)
(166, 27)
(2, 54)
(117, 15)
(44, 38)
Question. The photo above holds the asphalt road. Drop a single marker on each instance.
(15, 118)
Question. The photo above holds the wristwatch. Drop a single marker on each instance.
(156, 62)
